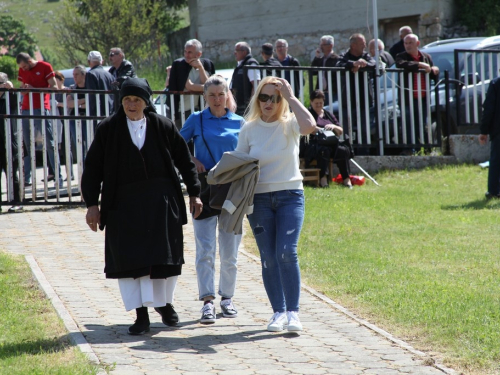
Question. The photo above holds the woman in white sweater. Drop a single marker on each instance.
(271, 134)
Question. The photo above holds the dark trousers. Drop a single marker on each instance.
(3, 162)
(494, 168)
(323, 154)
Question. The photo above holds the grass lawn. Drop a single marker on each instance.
(418, 256)
(33, 339)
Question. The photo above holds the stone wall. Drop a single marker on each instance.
(303, 23)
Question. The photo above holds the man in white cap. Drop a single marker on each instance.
(98, 79)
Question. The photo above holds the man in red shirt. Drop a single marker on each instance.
(413, 60)
(37, 74)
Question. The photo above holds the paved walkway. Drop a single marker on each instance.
(67, 258)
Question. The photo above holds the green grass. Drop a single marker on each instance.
(418, 256)
(33, 340)
(38, 17)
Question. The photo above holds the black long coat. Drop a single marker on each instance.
(109, 158)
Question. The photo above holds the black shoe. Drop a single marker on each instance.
(16, 209)
(141, 325)
(168, 315)
(27, 184)
(49, 178)
(489, 196)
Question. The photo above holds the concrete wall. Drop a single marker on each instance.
(220, 24)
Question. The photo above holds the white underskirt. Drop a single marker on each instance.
(147, 292)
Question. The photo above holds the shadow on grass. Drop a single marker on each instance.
(480, 204)
(41, 346)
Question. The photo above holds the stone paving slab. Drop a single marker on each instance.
(69, 258)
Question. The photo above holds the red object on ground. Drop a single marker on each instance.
(355, 180)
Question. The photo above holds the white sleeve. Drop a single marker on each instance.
(254, 74)
(243, 145)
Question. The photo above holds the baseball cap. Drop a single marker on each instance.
(94, 56)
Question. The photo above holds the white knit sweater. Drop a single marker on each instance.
(276, 146)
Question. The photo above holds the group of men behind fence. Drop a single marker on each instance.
(190, 73)
(35, 74)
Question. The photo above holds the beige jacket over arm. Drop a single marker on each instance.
(243, 171)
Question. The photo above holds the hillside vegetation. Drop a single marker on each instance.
(38, 17)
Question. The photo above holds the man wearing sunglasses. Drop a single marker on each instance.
(121, 69)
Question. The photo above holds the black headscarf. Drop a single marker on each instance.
(138, 87)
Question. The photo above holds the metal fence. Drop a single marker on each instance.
(403, 117)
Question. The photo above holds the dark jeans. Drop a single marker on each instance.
(323, 154)
(3, 162)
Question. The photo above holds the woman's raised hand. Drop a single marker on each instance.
(284, 88)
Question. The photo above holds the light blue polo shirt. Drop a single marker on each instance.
(220, 133)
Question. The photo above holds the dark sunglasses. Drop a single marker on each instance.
(113, 54)
(274, 98)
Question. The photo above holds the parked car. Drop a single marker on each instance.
(474, 71)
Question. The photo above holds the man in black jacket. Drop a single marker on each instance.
(242, 84)
(413, 60)
(266, 52)
(121, 69)
(281, 48)
(399, 47)
(98, 79)
(189, 73)
(490, 125)
(356, 60)
(325, 57)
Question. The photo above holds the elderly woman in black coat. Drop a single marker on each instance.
(340, 153)
(133, 156)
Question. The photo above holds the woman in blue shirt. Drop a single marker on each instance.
(214, 131)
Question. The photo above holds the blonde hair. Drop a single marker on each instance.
(253, 111)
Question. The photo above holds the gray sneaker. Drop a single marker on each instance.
(228, 309)
(208, 314)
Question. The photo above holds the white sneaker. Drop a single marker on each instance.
(278, 322)
(293, 321)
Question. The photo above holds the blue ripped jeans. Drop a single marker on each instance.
(276, 223)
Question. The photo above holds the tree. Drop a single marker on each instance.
(9, 66)
(135, 26)
(14, 37)
(482, 16)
